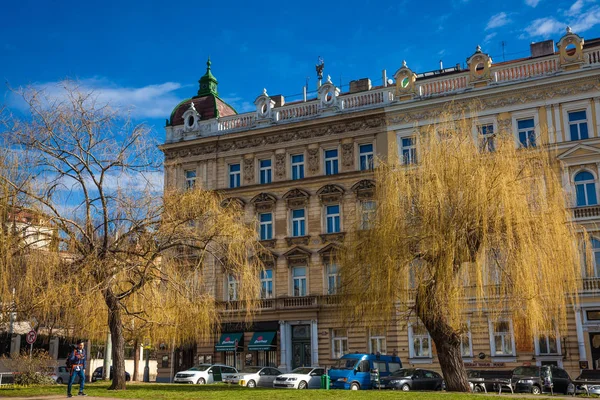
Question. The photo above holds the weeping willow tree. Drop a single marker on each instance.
(472, 228)
(131, 257)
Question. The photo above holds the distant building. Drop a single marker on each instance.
(303, 171)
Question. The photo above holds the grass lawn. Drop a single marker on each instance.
(158, 391)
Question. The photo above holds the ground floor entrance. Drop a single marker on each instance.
(301, 347)
(595, 347)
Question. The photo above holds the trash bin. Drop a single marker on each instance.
(325, 381)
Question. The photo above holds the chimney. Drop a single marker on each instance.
(360, 85)
(278, 99)
(544, 48)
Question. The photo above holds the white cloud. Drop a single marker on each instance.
(497, 21)
(150, 101)
(532, 3)
(575, 9)
(587, 20)
(544, 27)
(489, 37)
(238, 103)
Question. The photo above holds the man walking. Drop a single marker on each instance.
(77, 359)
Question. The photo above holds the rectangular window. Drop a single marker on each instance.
(266, 226)
(332, 219)
(502, 339)
(547, 345)
(266, 284)
(190, 179)
(333, 278)
(299, 281)
(486, 137)
(367, 217)
(339, 343)
(235, 176)
(265, 171)
(421, 342)
(465, 344)
(232, 288)
(409, 151)
(365, 156)
(377, 342)
(298, 222)
(578, 125)
(298, 166)
(331, 162)
(526, 130)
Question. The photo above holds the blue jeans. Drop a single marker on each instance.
(81, 375)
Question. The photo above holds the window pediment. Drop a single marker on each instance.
(364, 189)
(297, 256)
(264, 202)
(296, 198)
(233, 201)
(330, 194)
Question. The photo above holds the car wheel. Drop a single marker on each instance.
(201, 381)
(405, 387)
(354, 386)
(302, 385)
(536, 390)
(477, 389)
(59, 381)
(251, 384)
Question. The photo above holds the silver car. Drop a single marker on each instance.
(63, 374)
(255, 377)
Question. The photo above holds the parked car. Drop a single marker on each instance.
(589, 378)
(97, 374)
(300, 378)
(205, 373)
(63, 374)
(412, 379)
(255, 376)
(542, 379)
(353, 371)
(488, 380)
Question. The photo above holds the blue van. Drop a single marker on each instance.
(353, 371)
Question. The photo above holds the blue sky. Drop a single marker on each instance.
(149, 55)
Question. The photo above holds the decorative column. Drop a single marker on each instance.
(283, 346)
(558, 125)
(580, 339)
(597, 109)
(53, 348)
(314, 342)
(550, 124)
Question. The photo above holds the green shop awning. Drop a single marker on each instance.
(228, 340)
(262, 341)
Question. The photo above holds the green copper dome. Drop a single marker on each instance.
(208, 82)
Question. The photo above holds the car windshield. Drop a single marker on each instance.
(527, 371)
(199, 368)
(252, 370)
(346, 363)
(403, 373)
(302, 371)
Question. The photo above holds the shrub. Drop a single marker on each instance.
(31, 370)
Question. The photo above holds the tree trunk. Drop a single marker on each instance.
(136, 360)
(115, 324)
(447, 343)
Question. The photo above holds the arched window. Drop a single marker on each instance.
(596, 257)
(585, 189)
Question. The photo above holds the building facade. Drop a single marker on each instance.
(303, 173)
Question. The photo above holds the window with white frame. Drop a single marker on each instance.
(547, 345)
(266, 226)
(332, 219)
(486, 137)
(299, 281)
(419, 341)
(339, 343)
(235, 175)
(333, 278)
(466, 348)
(265, 171)
(190, 178)
(297, 161)
(578, 127)
(232, 288)
(266, 284)
(596, 254)
(585, 189)
(365, 156)
(409, 150)
(298, 222)
(331, 162)
(377, 341)
(367, 214)
(502, 338)
(526, 132)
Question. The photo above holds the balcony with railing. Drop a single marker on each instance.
(589, 212)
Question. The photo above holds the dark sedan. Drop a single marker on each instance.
(412, 379)
(97, 375)
(542, 379)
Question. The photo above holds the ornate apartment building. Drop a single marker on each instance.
(303, 172)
